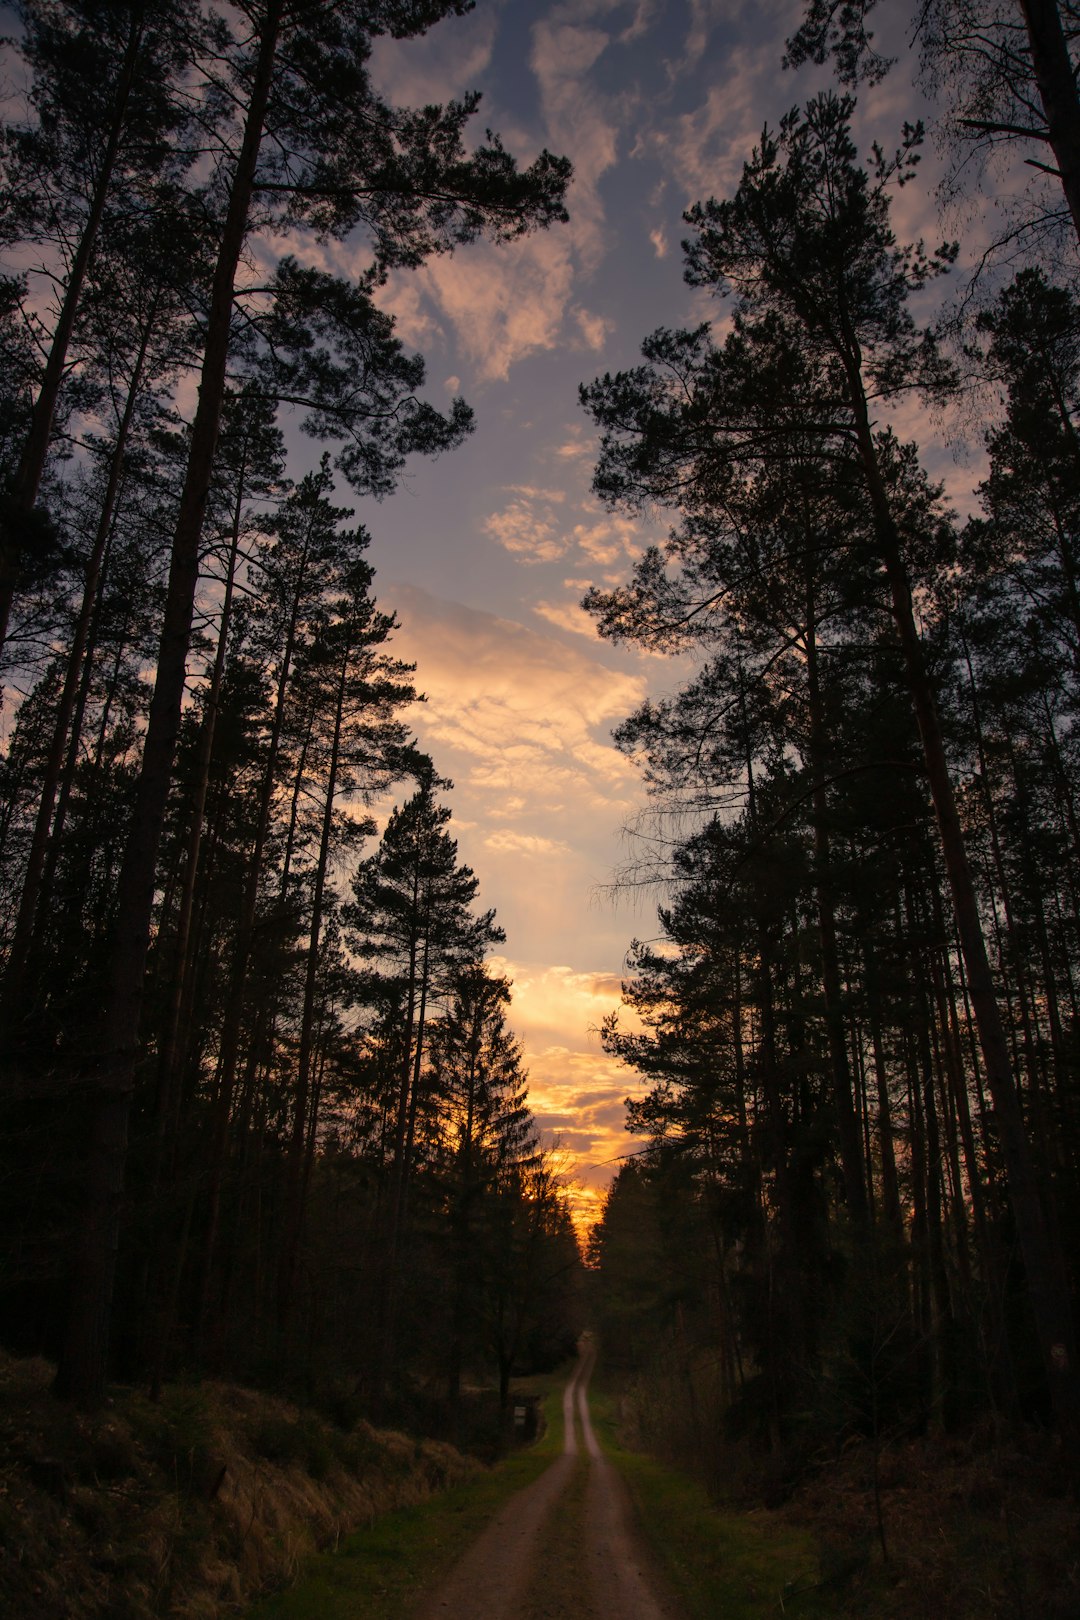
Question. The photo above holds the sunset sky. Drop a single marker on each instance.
(486, 553)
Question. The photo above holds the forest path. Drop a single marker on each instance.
(564, 1548)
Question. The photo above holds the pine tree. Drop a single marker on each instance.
(340, 160)
(108, 140)
(806, 246)
(411, 925)
(477, 1074)
(1010, 73)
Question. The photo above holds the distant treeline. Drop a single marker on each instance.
(262, 1114)
(856, 1206)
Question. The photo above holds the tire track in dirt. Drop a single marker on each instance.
(564, 1548)
(622, 1579)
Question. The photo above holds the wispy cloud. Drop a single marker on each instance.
(578, 117)
(531, 527)
(768, 18)
(568, 616)
(607, 538)
(444, 62)
(414, 317)
(704, 149)
(645, 14)
(517, 706)
(506, 303)
(595, 329)
(534, 527)
(701, 20)
(517, 843)
(579, 446)
(578, 120)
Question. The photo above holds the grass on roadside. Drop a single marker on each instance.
(744, 1566)
(376, 1573)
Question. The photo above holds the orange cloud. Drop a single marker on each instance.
(568, 616)
(504, 302)
(595, 329)
(526, 844)
(534, 527)
(529, 527)
(518, 706)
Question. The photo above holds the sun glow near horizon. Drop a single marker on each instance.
(577, 1091)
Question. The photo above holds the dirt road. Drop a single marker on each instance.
(565, 1548)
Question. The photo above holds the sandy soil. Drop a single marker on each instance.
(565, 1548)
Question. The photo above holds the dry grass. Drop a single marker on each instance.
(186, 1508)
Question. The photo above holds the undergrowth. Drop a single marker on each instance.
(978, 1526)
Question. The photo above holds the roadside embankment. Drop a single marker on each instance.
(188, 1507)
(382, 1572)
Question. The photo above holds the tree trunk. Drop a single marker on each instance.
(1056, 79)
(170, 1043)
(35, 863)
(890, 1186)
(71, 760)
(1043, 1261)
(851, 1158)
(294, 1164)
(245, 928)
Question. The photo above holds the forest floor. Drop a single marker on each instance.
(975, 1526)
(188, 1508)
